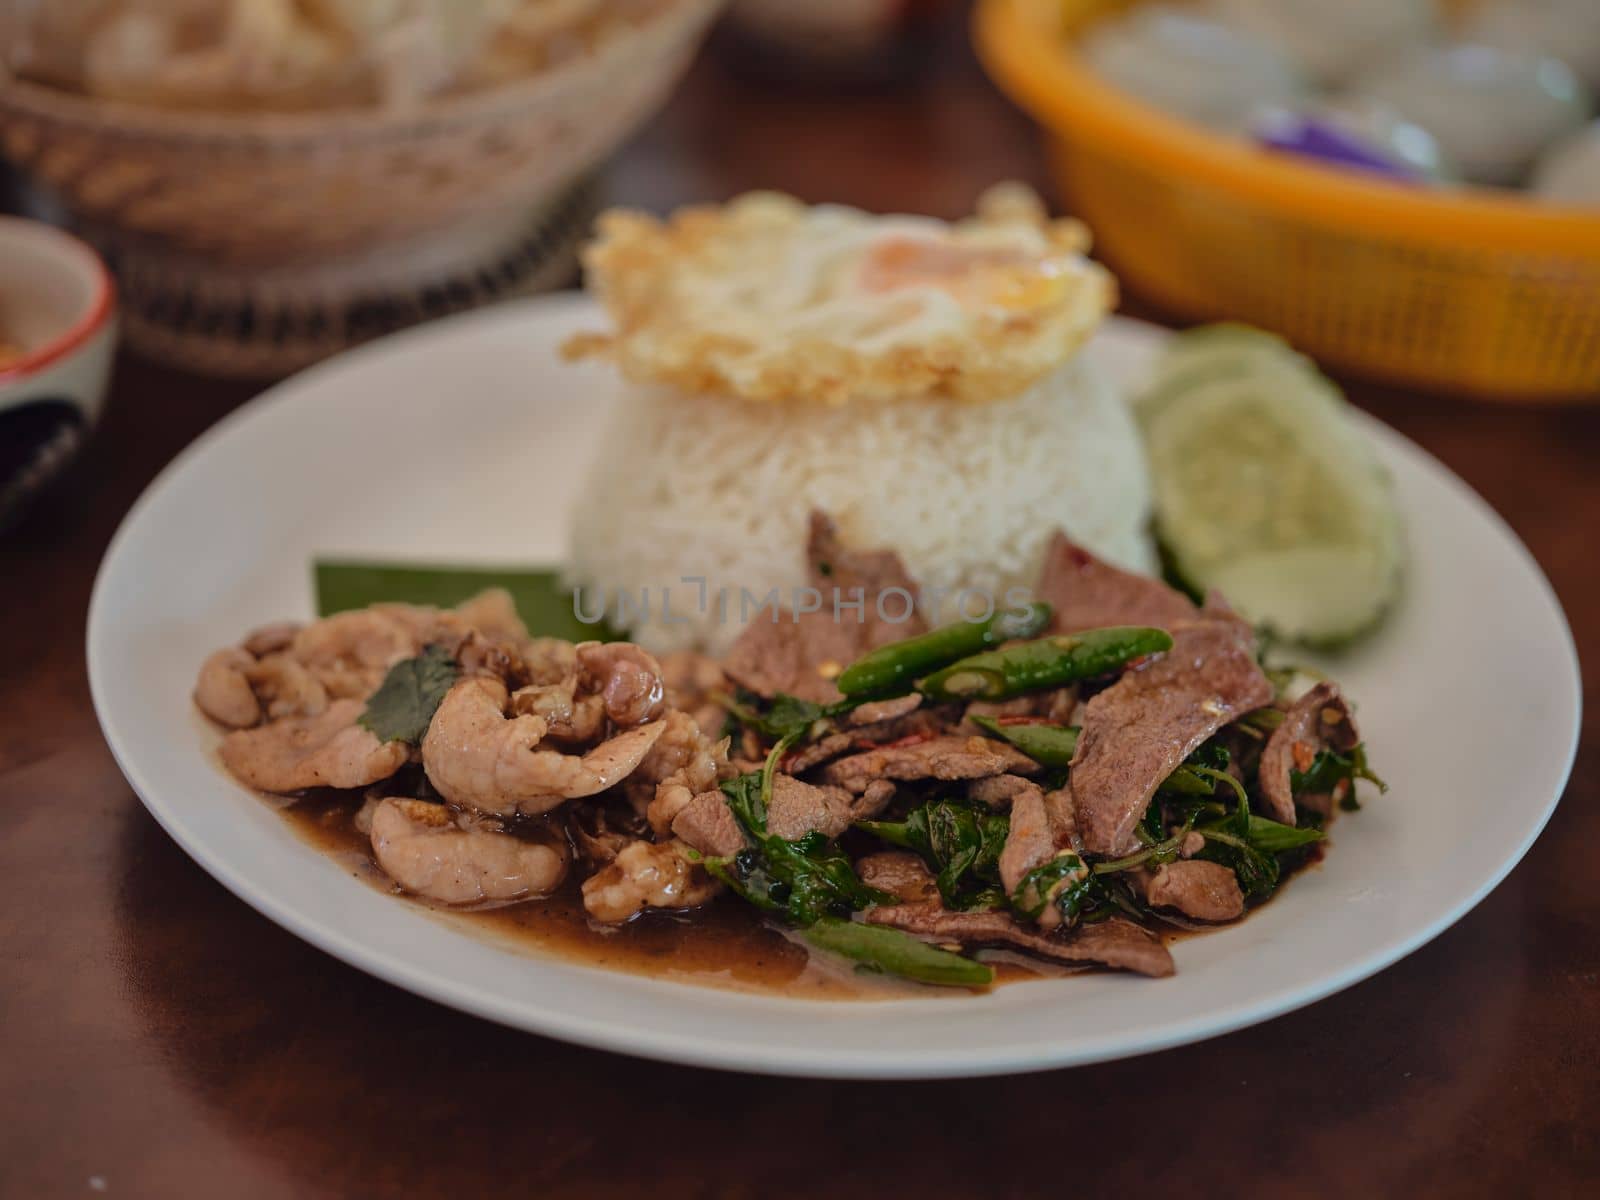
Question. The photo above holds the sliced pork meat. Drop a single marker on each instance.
(1116, 943)
(1037, 833)
(1138, 731)
(799, 808)
(646, 875)
(1063, 816)
(595, 838)
(1089, 593)
(627, 679)
(1041, 828)
(1206, 891)
(598, 757)
(801, 654)
(684, 762)
(1111, 943)
(901, 874)
(916, 722)
(796, 809)
(224, 693)
(1319, 720)
(920, 722)
(823, 750)
(946, 758)
(875, 711)
(1017, 706)
(1029, 842)
(1000, 791)
(690, 677)
(456, 858)
(327, 750)
(1056, 705)
(865, 574)
(873, 801)
(1216, 607)
(708, 824)
(693, 681)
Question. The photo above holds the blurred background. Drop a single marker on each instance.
(1408, 190)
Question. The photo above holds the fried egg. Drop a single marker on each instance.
(769, 299)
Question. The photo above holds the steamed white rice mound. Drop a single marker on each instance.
(720, 488)
(918, 380)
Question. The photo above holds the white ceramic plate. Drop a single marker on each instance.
(465, 442)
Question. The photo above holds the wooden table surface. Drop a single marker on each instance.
(159, 1038)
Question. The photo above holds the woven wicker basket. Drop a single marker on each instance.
(280, 187)
(254, 243)
(1473, 291)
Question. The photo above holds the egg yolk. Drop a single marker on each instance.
(1005, 277)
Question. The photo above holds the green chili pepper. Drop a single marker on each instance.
(880, 948)
(1047, 745)
(1046, 663)
(899, 663)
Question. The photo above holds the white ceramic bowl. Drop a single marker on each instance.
(58, 306)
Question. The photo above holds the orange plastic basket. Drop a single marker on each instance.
(1472, 291)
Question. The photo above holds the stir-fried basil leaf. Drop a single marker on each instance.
(1190, 778)
(967, 842)
(1257, 871)
(1249, 844)
(896, 833)
(1065, 881)
(788, 716)
(1241, 814)
(879, 948)
(1204, 790)
(805, 879)
(785, 717)
(1254, 855)
(403, 706)
(1155, 853)
(1274, 837)
(1335, 774)
(743, 796)
(961, 844)
(1197, 779)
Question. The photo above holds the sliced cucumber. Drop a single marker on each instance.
(1214, 352)
(1324, 598)
(1266, 490)
(1222, 333)
(1210, 341)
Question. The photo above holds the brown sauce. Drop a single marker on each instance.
(726, 944)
